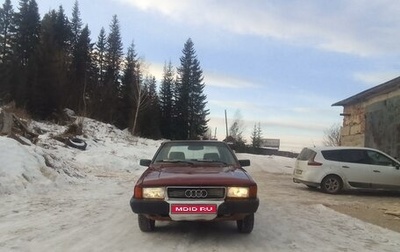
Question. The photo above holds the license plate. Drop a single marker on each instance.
(299, 172)
(193, 208)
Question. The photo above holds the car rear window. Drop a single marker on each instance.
(306, 154)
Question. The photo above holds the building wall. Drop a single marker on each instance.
(374, 123)
(353, 130)
(382, 126)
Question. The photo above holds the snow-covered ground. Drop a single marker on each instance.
(58, 198)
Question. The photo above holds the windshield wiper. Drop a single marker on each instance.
(213, 161)
(175, 161)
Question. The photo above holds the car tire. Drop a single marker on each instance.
(246, 225)
(146, 224)
(332, 184)
(77, 143)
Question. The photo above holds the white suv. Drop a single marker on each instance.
(336, 168)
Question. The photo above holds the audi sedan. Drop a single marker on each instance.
(195, 181)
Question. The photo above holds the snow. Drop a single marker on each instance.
(58, 198)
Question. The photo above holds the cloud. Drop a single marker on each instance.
(234, 105)
(375, 78)
(210, 79)
(221, 80)
(155, 69)
(362, 27)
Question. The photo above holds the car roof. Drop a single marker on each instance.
(322, 148)
(193, 141)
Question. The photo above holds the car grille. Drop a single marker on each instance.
(196, 193)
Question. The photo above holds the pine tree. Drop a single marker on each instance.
(256, 136)
(82, 71)
(47, 71)
(259, 135)
(76, 24)
(129, 82)
(149, 120)
(166, 98)
(7, 38)
(63, 33)
(114, 53)
(99, 62)
(28, 28)
(6, 31)
(81, 65)
(100, 56)
(191, 101)
(112, 76)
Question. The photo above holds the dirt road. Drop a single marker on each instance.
(381, 208)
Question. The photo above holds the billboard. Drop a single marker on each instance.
(270, 143)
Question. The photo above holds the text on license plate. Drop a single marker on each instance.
(193, 208)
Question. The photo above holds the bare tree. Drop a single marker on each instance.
(140, 98)
(332, 135)
(237, 128)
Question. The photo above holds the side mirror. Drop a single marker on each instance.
(145, 162)
(244, 162)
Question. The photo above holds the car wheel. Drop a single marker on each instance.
(246, 225)
(146, 224)
(332, 184)
(77, 143)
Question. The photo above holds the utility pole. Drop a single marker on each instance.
(226, 125)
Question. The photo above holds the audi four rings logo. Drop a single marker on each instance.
(196, 193)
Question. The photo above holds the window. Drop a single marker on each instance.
(379, 159)
(196, 151)
(333, 155)
(347, 155)
(306, 154)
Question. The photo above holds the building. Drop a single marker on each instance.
(372, 118)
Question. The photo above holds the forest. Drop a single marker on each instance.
(51, 63)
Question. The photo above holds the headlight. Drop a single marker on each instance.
(154, 193)
(238, 192)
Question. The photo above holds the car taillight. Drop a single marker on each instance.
(314, 163)
(137, 192)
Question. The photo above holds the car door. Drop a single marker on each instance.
(386, 171)
(354, 169)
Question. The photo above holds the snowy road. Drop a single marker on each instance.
(95, 216)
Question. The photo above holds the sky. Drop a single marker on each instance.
(279, 64)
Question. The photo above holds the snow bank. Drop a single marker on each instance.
(272, 164)
(50, 163)
(21, 167)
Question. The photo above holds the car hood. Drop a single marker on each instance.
(195, 175)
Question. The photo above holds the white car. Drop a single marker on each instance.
(336, 168)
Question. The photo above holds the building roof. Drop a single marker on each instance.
(383, 88)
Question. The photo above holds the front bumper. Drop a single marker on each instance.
(161, 208)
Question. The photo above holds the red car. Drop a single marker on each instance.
(195, 181)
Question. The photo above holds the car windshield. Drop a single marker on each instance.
(191, 152)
